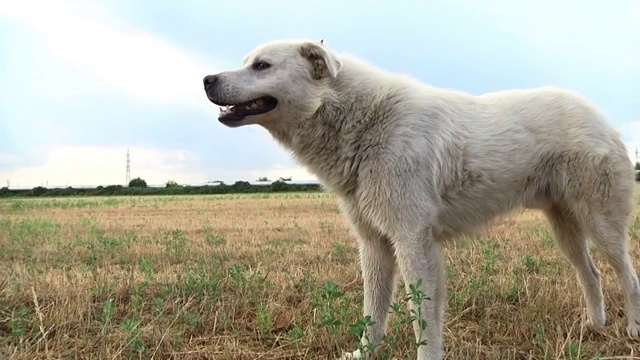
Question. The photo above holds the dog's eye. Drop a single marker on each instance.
(261, 65)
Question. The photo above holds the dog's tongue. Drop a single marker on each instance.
(253, 104)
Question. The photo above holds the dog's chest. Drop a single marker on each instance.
(335, 167)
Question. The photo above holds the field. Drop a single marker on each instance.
(269, 277)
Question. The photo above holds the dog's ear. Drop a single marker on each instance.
(324, 63)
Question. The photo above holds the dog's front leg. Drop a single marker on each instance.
(379, 272)
(421, 262)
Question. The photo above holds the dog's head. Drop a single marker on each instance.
(279, 81)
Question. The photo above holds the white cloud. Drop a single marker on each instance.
(632, 146)
(631, 132)
(631, 129)
(118, 55)
(92, 166)
(8, 159)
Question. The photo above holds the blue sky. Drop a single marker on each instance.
(82, 81)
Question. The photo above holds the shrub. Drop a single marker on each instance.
(138, 182)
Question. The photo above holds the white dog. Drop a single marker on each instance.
(414, 166)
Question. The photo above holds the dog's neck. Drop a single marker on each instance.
(283, 132)
(326, 142)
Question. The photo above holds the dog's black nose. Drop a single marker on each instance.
(209, 79)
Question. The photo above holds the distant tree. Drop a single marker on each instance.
(285, 178)
(39, 191)
(138, 182)
(278, 186)
(638, 166)
(241, 186)
(171, 184)
(263, 179)
(4, 191)
(638, 176)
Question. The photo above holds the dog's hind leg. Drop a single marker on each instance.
(572, 241)
(612, 240)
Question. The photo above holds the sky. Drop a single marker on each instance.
(83, 81)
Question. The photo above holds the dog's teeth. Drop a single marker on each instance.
(225, 109)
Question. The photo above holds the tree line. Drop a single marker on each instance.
(138, 187)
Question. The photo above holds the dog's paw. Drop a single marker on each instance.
(351, 355)
(597, 322)
(633, 330)
(595, 326)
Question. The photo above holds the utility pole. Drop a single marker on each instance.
(128, 168)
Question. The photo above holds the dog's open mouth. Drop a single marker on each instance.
(238, 112)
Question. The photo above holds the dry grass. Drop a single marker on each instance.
(245, 277)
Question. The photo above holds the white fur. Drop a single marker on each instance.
(414, 166)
